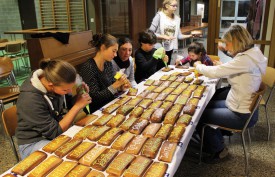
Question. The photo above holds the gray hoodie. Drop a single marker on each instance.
(38, 112)
(244, 74)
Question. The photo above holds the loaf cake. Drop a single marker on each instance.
(171, 98)
(135, 101)
(147, 114)
(104, 159)
(151, 88)
(67, 147)
(171, 117)
(45, 167)
(125, 109)
(198, 81)
(152, 96)
(188, 79)
(111, 108)
(95, 173)
(167, 151)
(138, 167)
(176, 133)
(187, 73)
(201, 87)
(166, 105)
(135, 145)
(80, 150)
(30, 162)
(189, 109)
(187, 93)
(103, 119)
(168, 90)
(157, 82)
(120, 163)
(158, 115)
(132, 91)
(184, 119)
(166, 83)
(143, 94)
(99, 132)
(182, 66)
(151, 147)
(145, 103)
(79, 171)
(159, 89)
(183, 85)
(137, 112)
(173, 77)
(110, 136)
(164, 77)
(122, 141)
(177, 107)
(91, 155)
(128, 123)
(161, 96)
(63, 169)
(155, 104)
(198, 93)
(86, 120)
(116, 120)
(84, 132)
(167, 69)
(192, 87)
(56, 143)
(180, 79)
(174, 84)
(157, 169)
(138, 127)
(194, 101)
(164, 131)
(149, 82)
(123, 100)
(151, 130)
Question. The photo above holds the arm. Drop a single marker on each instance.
(185, 60)
(142, 62)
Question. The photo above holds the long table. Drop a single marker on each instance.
(182, 145)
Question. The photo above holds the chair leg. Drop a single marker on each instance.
(1, 122)
(245, 154)
(14, 149)
(267, 121)
(202, 138)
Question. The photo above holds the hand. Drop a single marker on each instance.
(178, 62)
(197, 63)
(215, 62)
(120, 82)
(83, 88)
(165, 59)
(83, 100)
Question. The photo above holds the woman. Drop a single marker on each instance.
(98, 72)
(196, 52)
(40, 105)
(166, 25)
(230, 106)
(124, 61)
(146, 64)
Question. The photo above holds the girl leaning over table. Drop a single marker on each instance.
(41, 116)
(98, 72)
(229, 106)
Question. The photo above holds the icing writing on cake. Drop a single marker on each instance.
(77, 171)
(80, 149)
(64, 168)
(138, 168)
(43, 167)
(68, 146)
(104, 158)
(92, 154)
(109, 135)
(29, 161)
(155, 170)
(120, 162)
(135, 144)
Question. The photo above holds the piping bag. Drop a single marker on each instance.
(79, 85)
(159, 54)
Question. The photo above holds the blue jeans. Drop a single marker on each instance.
(217, 113)
(26, 149)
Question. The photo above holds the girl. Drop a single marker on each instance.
(40, 105)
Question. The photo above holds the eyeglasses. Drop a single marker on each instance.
(173, 5)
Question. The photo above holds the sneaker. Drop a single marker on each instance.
(217, 157)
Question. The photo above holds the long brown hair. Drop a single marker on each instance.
(103, 39)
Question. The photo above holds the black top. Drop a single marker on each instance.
(146, 64)
(98, 82)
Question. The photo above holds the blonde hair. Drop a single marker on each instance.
(166, 2)
(240, 38)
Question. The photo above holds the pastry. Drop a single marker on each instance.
(161, 96)
(86, 120)
(135, 101)
(138, 127)
(145, 103)
(120, 163)
(91, 155)
(125, 109)
(198, 93)
(9, 175)
(63, 169)
(128, 123)
(137, 112)
(84, 132)
(143, 94)
(157, 82)
(111, 108)
(194, 101)
(168, 90)
(159, 89)
(149, 82)
(155, 104)
(79, 171)
(164, 77)
(180, 79)
(123, 100)
(174, 84)
(171, 117)
(187, 73)
(171, 98)
(189, 109)
(177, 108)
(201, 87)
(116, 120)
(172, 77)
(45, 167)
(80, 150)
(176, 73)
(122, 141)
(147, 114)
(182, 100)
(157, 169)
(183, 85)
(167, 69)
(167, 151)
(192, 87)
(30, 162)
(104, 159)
(67, 147)
(152, 96)
(164, 131)
(95, 173)
(184, 119)
(103, 119)
(135, 145)
(182, 66)
(187, 93)
(158, 115)
(198, 81)
(166, 83)
(99, 132)
(151, 130)
(110, 136)
(138, 167)
(176, 133)
(56, 143)
(191, 69)
(188, 79)
(166, 106)
(132, 91)
(151, 88)
(151, 147)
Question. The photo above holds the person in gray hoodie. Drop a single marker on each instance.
(41, 117)
(229, 107)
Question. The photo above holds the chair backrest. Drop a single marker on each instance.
(6, 66)
(13, 48)
(9, 118)
(269, 77)
(4, 40)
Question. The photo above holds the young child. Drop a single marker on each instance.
(196, 52)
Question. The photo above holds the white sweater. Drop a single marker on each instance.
(244, 74)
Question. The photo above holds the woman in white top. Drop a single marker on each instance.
(166, 25)
(124, 61)
(230, 106)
